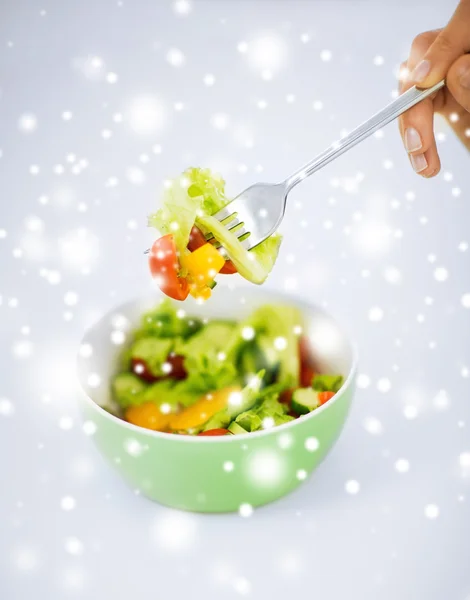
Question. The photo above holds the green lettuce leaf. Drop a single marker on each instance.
(205, 358)
(268, 411)
(246, 399)
(153, 351)
(170, 392)
(327, 383)
(127, 389)
(164, 321)
(196, 191)
(275, 326)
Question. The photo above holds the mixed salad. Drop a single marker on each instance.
(182, 262)
(184, 375)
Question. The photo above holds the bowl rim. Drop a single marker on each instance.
(278, 429)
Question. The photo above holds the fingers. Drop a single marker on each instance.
(457, 110)
(458, 81)
(416, 125)
(416, 128)
(450, 44)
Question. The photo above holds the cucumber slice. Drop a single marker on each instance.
(236, 428)
(304, 400)
(127, 388)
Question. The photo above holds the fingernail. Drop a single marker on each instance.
(412, 140)
(465, 78)
(418, 162)
(421, 71)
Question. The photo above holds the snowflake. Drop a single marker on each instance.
(27, 123)
(242, 586)
(245, 510)
(392, 275)
(112, 78)
(248, 333)
(410, 412)
(65, 423)
(145, 115)
(301, 474)
(209, 79)
(68, 503)
(220, 121)
(6, 407)
(175, 531)
(73, 546)
(464, 460)
(431, 511)
(376, 314)
(363, 381)
(441, 274)
(326, 55)
(94, 380)
(134, 447)
(175, 57)
(352, 486)
(85, 350)
(465, 300)
(89, 428)
(182, 7)
(373, 426)
(384, 385)
(402, 465)
(266, 468)
(71, 298)
(441, 401)
(280, 343)
(22, 349)
(312, 444)
(267, 52)
(228, 466)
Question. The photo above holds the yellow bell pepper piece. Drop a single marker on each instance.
(200, 293)
(203, 264)
(149, 416)
(200, 412)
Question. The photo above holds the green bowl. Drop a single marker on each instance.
(214, 474)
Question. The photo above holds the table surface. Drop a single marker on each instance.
(99, 103)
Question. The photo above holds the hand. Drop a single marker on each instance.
(436, 55)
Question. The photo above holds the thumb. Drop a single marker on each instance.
(458, 81)
(450, 44)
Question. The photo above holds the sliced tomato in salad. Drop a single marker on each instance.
(307, 369)
(141, 369)
(164, 266)
(215, 432)
(324, 397)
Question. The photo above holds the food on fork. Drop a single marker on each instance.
(183, 262)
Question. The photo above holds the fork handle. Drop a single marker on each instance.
(386, 115)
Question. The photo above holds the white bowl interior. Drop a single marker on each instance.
(98, 359)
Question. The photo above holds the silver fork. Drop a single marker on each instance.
(256, 213)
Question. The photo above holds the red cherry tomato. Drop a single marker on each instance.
(164, 266)
(286, 396)
(307, 369)
(229, 268)
(215, 432)
(197, 239)
(140, 368)
(325, 396)
(177, 366)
